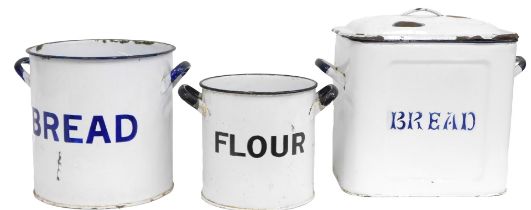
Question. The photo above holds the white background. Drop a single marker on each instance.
(222, 37)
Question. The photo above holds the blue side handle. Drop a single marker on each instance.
(179, 71)
(20, 70)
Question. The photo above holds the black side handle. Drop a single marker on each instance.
(327, 94)
(189, 95)
(521, 62)
(322, 64)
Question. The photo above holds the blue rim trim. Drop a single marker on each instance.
(259, 92)
(172, 48)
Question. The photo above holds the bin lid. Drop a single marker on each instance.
(411, 26)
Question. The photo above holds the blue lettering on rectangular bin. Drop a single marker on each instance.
(435, 121)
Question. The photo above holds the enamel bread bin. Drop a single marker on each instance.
(102, 121)
(424, 105)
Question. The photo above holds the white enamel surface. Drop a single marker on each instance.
(267, 182)
(103, 174)
(434, 27)
(372, 159)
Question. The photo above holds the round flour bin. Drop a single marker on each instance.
(258, 138)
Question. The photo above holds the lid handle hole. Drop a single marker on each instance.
(407, 24)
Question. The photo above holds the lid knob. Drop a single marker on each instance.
(422, 10)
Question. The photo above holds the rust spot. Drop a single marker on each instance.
(58, 166)
(366, 38)
(121, 41)
(143, 42)
(407, 24)
(124, 41)
(345, 81)
(506, 37)
(497, 38)
(469, 38)
(39, 47)
(456, 16)
(360, 37)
